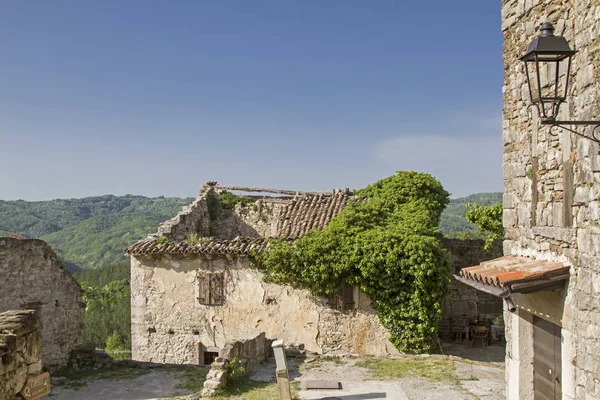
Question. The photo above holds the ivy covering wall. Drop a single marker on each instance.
(389, 245)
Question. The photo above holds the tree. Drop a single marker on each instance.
(488, 220)
(107, 312)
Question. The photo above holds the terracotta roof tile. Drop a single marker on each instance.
(298, 216)
(508, 270)
(237, 245)
(309, 212)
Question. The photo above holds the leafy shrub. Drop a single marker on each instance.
(389, 246)
(116, 348)
(229, 200)
(193, 238)
(488, 220)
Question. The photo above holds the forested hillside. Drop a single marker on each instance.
(92, 231)
(453, 219)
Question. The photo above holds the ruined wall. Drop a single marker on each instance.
(464, 301)
(20, 350)
(248, 353)
(34, 278)
(552, 185)
(167, 318)
(191, 219)
(206, 217)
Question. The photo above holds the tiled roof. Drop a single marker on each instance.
(216, 246)
(309, 212)
(298, 215)
(509, 270)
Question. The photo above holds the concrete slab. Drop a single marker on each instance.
(371, 390)
(319, 384)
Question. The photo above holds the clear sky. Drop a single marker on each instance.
(158, 97)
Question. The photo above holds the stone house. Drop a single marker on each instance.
(189, 299)
(33, 278)
(550, 274)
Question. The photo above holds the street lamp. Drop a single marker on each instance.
(547, 66)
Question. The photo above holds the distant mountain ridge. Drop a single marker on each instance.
(94, 231)
(91, 231)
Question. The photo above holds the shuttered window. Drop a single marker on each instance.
(344, 299)
(211, 288)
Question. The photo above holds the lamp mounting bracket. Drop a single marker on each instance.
(567, 125)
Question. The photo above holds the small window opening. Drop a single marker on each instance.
(210, 356)
(151, 329)
(171, 332)
(343, 299)
(212, 288)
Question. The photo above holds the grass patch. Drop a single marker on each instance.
(79, 378)
(248, 389)
(319, 361)
(433, 369)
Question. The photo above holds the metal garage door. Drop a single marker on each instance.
(546, 360)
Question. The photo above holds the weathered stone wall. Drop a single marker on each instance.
(20, 350)
(34, 278)
(167, 319)
(207, 218)
(192, 219)
(463, 301)
(248, 353)
(552, 186)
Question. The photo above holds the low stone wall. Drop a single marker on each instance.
(216, 379)
(465, 302)
(248, 353)
(20, 350)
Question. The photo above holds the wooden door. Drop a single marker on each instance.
(546, 360)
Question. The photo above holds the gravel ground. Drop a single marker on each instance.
(483, 381)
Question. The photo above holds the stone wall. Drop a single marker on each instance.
(552, 188)
(248, 353)
(167, 319)
(20, 350)
(34, 278)
(463, 301)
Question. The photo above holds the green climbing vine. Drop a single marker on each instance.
(388, 245)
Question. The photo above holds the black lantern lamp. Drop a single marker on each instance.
(548, 65)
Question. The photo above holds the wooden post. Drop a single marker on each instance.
(283, 382)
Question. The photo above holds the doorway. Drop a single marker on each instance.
(547, 360)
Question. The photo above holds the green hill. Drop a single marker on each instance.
(94, 231)
(453, 218)
(91, 231)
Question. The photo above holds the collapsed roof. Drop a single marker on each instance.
(283, 214)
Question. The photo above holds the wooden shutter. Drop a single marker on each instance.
(203, 288)
(343, 299)
(347, 296)
(216, 288)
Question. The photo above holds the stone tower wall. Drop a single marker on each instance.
(552, 184)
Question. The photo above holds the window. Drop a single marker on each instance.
(344, 299)
(209, 357)
(211, 288)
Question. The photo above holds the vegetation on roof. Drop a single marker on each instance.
(229, 200)
(388, 246)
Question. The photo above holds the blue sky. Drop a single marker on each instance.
(158, 97)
